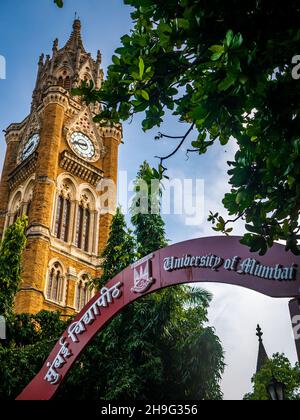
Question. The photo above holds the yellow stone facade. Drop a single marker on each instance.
(34, 184)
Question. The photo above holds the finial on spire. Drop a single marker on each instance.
(55, 45)
(99, 57)
(259, 333)
(41, 60)
(262, 354)
(77, 23)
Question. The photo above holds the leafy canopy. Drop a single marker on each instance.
(159, 347)
(119, 252)
(11, 250)
(224, 68)
(146, 218)
(280, 368)
(30, 338)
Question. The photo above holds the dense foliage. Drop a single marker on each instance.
(156, 349)
(280, 368)
(11, 250)
(146, 217)
(120, 251)
(30, 338)
(224, 68)
(159, 347)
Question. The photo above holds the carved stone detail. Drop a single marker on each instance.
(80, 168)
(23, 171)
(83, 123)
(32, 126)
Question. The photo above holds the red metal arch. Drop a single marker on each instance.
(217, 259)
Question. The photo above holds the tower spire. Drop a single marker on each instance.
(68, 66)
(75, 41)
(262, 354)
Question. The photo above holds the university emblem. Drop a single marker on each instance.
(143, 279)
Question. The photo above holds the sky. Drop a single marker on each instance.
(28, 28)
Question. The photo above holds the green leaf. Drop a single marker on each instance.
(237, 41)
(164, 28)
(216, 56)
(145, 95)
(141, 67)
(217, 48)
(229, 38)
(116, 60)
(59, 3)
(227, 83)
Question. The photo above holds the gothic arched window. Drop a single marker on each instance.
(55, 284)
(28, 208)
(84, 292)
(83, 228)
(62, 222)
(18, 213)
(67, 83)
(16, 209)
(27, 199)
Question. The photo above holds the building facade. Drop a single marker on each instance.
(56, 161)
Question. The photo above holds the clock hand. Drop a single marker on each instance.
(83, 145)
(28, 148)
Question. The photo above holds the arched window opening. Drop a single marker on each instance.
(18, 213)
(66, 220)
(67, 83)
(62, 222)
(28, 208)
(83, 228)
(15, 209)
(55, 285)
(84, 292)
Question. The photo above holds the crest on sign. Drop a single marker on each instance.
(143, 279)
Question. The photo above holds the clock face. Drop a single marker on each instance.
(82, 145)
(30, 146)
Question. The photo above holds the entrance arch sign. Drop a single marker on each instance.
(215, 260)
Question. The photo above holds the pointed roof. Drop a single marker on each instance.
(262, 354)
(68, 66)
(75, 40)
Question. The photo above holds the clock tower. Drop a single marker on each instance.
(56, 162)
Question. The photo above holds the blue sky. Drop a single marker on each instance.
(28, 28)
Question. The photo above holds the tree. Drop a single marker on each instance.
(225, 69)
(147, 220)
(30, 338)
(120, 249)
(11, 250)
(280, 368)
(157, 348)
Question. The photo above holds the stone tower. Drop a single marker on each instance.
(55, 161)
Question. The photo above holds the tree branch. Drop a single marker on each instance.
(183, 139)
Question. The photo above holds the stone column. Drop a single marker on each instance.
(92, 231)
(71, 289)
